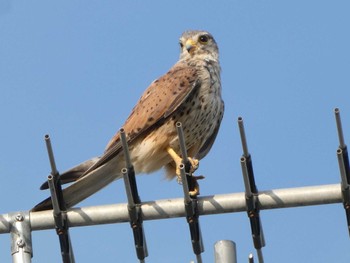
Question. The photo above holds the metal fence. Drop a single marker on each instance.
(21, 224)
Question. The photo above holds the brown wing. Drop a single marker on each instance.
(159, 101)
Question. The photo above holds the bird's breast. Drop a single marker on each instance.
(202, 110)
(200, 115)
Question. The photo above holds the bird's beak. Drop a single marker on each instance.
(190, 45)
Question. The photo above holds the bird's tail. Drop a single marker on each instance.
(85, 184)
(74, 173)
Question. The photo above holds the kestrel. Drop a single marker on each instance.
(190, 93)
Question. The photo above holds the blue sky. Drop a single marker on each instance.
(75, 69)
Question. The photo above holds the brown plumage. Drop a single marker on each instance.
(190, 93)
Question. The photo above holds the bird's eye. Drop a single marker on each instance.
(181, 45)
(203, 39)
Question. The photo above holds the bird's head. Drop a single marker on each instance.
(200, 44)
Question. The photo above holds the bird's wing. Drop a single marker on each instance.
(161, 99)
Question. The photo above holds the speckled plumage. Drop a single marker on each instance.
(190, 93)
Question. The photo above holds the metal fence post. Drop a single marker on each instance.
(225, 251)
(21, 239)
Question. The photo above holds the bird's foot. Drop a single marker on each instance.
(194, 164)
(178, 161)
(194, 185)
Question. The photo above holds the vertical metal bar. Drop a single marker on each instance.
(253, 211)
(342, 145)
(61, 225)
(191, 203)
(342, 152)
(342, 168)
(134, 202)
(251, 258)
(186, 182)
(185, 167)
(182, 141)
(54, 178)
(246, 154)
(135, 218)
(225, 251)
(247, 188)
(343, 162)
(251, 191)
(243, 137)
(132, 186)
(199, 258)
(339, 128)
(260, 255)
(185, 186)
(125, 148)
(128, 190)
(51, 156)
(345, 187)
(54, 199)
(21, 240)
(193, 220)
(59, 207)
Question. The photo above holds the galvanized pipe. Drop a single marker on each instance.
(339, 128)
(225, 251)
(171, 208)
(21, 238)
(260, 255)
(54, 171)
(243, 137)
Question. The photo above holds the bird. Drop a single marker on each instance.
(189, 93)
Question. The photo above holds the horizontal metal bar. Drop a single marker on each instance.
(171, 208)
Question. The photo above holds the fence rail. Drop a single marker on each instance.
(172, 208)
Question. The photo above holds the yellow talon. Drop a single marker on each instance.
(194, 188)
(178, 160)
(195, 185)
(194, 164)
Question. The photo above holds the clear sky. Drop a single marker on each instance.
(75, 69)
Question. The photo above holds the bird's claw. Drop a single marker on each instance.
(194, 185)
(194, 166)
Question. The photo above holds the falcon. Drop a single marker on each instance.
(190, 93)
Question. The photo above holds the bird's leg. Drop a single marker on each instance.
(194, 189)
(178, 160)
